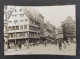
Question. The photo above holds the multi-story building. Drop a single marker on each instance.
(49, 30)
(60, 33)
(69, 28)
(56, 34)
(25, 24)
(5, 26)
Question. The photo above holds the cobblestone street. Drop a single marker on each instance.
(42, 49)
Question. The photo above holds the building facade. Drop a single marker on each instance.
(24, 25)
(69, 28)
(49, 30)
(60, 33)
(5, 26)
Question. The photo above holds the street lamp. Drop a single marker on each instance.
(15, 21)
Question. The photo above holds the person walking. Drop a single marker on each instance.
(68, 43)
(64, 45)
(37, 43)
(60, 45)
(10, 45)
(45, 43)
(19, 44)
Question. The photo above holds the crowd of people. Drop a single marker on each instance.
(60, 43)
(63, 44)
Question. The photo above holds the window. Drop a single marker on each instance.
(67, 24)
(30, 28)
(17, 27)
(73, 29)
(21, 26)
(26, 34)
(11, 35)
(15, 15)
(10, 28)
(6, 28)
(25, 26)
(38, 29)
(20, 9)
(10, 21)
(21, 15)
(14, 35)
(13, 27)
(6, 16)
(17, 34)
(15, 21)
(68, 28)
(21, 20)
(69, 33)
(21, 34)
(15, 10)
(26, 20)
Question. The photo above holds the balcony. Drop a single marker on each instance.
(13, 31)
(11, 38)
(34, 37)
(34, 25)
(34, 31)
(25, 37)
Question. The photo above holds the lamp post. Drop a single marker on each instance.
(15, 21)
(28, 41)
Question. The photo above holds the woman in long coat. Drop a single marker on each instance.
(64, 45)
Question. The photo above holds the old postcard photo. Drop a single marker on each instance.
(34, 30)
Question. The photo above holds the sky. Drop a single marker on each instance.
(56, 14)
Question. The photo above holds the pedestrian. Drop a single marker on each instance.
(5, 47)
(60, 45)
(68, 42)
(19, 44)
(10, 45)
(37, 43)
(55, 42)
(64, 45)
(45, 43)
(52, 41)
(23, 46)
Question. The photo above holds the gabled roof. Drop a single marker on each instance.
(69, 18)
(10, 12)
(29, 12)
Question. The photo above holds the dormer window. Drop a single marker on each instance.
(13, 15)
(15, 10)
(10, 21)
(26, 20)
(21, 20)
(21, 15)
(20, 9)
